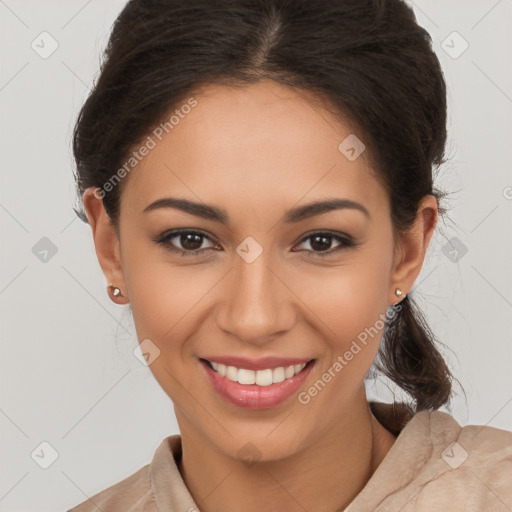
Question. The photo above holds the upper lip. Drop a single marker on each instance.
(257, 364)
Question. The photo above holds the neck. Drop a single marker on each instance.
(325, 477)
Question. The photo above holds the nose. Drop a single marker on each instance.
(256, 303)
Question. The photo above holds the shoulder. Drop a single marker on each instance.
(471, 466)
(132, 494)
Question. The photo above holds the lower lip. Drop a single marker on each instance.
(253, 396)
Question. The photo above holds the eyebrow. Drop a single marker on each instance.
(293, 215)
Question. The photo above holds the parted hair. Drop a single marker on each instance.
(367, 59)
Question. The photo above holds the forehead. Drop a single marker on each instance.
(262, 143)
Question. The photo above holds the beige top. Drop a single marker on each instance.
(434, 465)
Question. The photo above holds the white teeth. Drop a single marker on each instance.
(289, 371)
(232, 373)
(246, 376)
(260, 377)
(278, 375)
(264, 377)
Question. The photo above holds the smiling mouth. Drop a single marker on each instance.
(264, 377)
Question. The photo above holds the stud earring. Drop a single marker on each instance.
(398, 293)
(116, 292)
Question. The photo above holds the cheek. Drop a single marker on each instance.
(166, 308)
(165, 299)
(160, 293)
(349, 298)
(349, 305)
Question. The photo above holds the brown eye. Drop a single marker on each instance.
(321, 242)
(184, 242)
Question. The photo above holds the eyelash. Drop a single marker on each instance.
(164, 240)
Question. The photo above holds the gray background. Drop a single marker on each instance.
(68, 374)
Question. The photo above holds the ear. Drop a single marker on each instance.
(412, 247)
(106, 242)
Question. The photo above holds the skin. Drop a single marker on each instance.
(257, 151)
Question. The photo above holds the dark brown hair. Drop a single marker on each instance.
(367, 58)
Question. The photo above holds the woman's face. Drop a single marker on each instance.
(256, 285)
